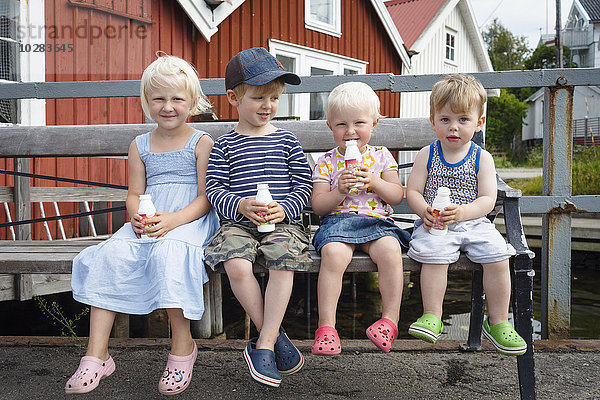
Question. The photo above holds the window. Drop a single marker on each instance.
(286, 101)
(9, 57)
(323, 16)
(450, 39)
(305, 61)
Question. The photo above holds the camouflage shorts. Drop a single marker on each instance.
(283, 249)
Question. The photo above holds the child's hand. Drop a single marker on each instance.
(254, 210)
(161, 224)
(137, 225)
(346, 181)
(367, 177)
(428, 218)
(276, 213)
(451, 214)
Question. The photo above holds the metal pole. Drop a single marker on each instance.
(556, 224)
(559, 52)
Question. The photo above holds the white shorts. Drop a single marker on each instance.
(478, 238)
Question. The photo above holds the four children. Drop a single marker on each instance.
(159, 263)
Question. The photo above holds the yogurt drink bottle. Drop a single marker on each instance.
(441, 201)
(353, 160)
(264, 196)
(146, 208)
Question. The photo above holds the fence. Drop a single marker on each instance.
(556, 204)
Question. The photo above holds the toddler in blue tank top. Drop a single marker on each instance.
(453, 161)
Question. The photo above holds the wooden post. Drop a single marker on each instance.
(216, 305)
(158, 324)
(22, 199)
(201, 329)
(23, 282)
(120, 327)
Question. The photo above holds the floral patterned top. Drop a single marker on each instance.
(362, 202)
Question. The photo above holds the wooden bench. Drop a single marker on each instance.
(43, 257)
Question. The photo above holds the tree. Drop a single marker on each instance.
(506, 51)
(504, 120)
(545, 57)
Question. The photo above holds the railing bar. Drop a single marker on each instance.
(86, 205)
(60, 224)
(9, 218)
(43, 214)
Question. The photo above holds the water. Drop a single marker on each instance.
(26, 319)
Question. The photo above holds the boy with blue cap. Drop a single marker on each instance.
(257, 152)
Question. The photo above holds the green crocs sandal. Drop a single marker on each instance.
(428, 328)
(504, 338)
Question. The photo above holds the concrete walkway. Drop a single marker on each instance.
(37, 368)
(519, 173)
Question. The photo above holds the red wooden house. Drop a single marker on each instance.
(115, 39)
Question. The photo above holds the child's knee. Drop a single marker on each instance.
(238, 268)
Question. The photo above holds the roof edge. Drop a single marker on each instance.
(392, 31)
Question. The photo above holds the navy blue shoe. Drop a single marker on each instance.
(261, 363)
(287, 357)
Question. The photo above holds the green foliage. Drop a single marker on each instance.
(586, 172)
(545, 57)
(54, 313)
(506, 51)
(504, 121)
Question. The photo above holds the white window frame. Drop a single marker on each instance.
(334, 29)
(454, 34)
(305, 58)
(32, 65)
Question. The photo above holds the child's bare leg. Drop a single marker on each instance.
(181, 337)
(246, 289)
(496, 284)
(434, 279)
(101, 322)
(387, 254)
(277, 296)
(335, 257)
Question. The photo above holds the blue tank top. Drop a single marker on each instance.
(460, 178)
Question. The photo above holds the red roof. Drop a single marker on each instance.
(412, 17)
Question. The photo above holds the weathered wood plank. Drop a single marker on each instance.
(114, 140)
(74, 194)
(45, 260)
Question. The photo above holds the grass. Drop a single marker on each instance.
(586, 171)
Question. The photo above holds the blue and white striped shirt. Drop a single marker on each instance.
(238, 162)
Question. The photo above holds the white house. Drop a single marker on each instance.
(586, 116)
(442, 37)
(581, 33)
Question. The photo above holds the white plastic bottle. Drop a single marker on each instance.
(353, 160)
(441, 201)
(146, 208)
(263, 195)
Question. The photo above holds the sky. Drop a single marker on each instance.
(521, 17)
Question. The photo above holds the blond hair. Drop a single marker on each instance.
(275, 86)
(170, 71)
(461, 92)
(356, 95)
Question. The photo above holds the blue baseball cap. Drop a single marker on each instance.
(256, 67)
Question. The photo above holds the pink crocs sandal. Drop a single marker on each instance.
(178, 373)
(383, 333)
(88, 374)
(327, 342)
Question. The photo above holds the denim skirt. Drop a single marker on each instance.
(349, 228)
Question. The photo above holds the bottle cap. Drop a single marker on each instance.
(351, 143)
(262, 186)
